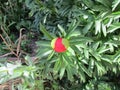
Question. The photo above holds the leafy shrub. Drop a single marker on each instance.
(93, 56)
(94, 41)
(14, 14)
(13, 17)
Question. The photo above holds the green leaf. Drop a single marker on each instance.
(69, 73)
(44, 31)
(115, 15)
(116, 57)
(62, 71)
(67, 59)
(87, 28)
(89, 3)
(58, 64)
(28, 60)
(103, 49)
(97, 26)
(11, 24)
(104, 30)
(99, 8)
(79, 39)
(115, 3)
(51, 55)
(106, 59)
(71, 28)
(43, 52)
(86, 53)
(85, 70)
(43, 43)
(114, 42)
(71, 51)
(95, 45)
(57, 67)
(113, 27)
(95, 54)
(104, 2)
(91, 65)
(82, 75)
(76, 50)
(100, 68)
(62, 30)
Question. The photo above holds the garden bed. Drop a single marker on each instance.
(10, 84)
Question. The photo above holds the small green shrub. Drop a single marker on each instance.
(92, 60)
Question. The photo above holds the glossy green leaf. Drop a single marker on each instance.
(69, 73)
(113, 27)
(82, 75)
(95, 55)
(115, 3)
(44, 52)
(104, 30)
(100, 69)
(62, 71)
(45, 32)
(79, 39)
(85, 70)
(51, 55)
(58, 64)
(62, 30)
(43, 43)
(71, 28)
(105, 3)
(86, 53)
(97, 26)
(87, 28)
(67, 59)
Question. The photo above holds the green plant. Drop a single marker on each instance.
(94, 43)
(13, 17)
(13, 70)
(82, 58)
(91, 61)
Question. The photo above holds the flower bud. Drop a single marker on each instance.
(60, 44)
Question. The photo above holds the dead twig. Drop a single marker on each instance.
(15, 50)
(19, 42)
(5, 55)
(8, 46)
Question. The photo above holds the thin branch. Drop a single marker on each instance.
(19, 42)
(7, 54)
(8, 46)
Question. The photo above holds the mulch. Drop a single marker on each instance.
(9, 84)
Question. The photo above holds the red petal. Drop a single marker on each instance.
(59, 47)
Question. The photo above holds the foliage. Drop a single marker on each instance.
(13, 17)
(14, 14)
(92, 61)
(94, 42)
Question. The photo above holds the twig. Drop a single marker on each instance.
(8, 46)
(17, 53)
(19, 42)
(7, 54)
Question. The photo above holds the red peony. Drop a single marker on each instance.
(60, 44)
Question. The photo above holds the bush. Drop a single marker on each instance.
(91, 62)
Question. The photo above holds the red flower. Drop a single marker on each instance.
(60, 44)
